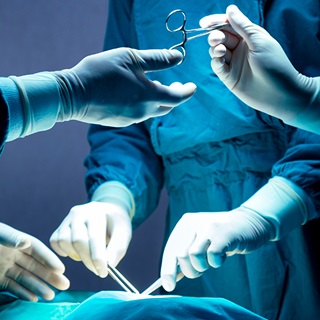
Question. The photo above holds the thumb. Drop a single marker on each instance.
(241, 24)
(13, 238)
(152, 60)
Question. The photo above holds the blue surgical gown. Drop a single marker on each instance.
(214, 152)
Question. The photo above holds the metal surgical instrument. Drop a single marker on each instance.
(201, 31)
(121, 280)
(158, 283)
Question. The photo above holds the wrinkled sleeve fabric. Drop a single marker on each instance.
(10, 108)
(301, 165)
(4, 121)
(125, 154)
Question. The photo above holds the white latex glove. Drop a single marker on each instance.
(204, 239)
(109, 88)
(255, 68)
(27, 266)
(85, 232)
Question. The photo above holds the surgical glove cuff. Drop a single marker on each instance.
(307, 116)
(115, 192)
(73, 95)
(281, 203)
(40, 101)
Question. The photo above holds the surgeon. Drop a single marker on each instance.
(238, 180)
(108, 88)
(252, 64)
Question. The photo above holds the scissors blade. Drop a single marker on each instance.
(121, 280)
(158, 283)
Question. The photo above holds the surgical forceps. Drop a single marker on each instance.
(158, 283)
(201, 31)
(121, 280)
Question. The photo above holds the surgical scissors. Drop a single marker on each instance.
(201, 31)
(121, 280)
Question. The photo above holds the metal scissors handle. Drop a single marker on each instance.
(182, 28)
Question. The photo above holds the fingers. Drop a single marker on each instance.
(27, 285)
(11, 237)
(83, 235)
(221, 51)
(97, 244)
(239, 22)
(168, 270)
(15, 288)
(176, 253)
(61, 242)
(213, 19)
(120, 237)
(244, 27)
(33, 266)
(173, 95)
(44, 256)
(152, 60)
(218, 37)
(80, 240)
(198, 254)
(77, 237)
(220, 68)
(216, 254)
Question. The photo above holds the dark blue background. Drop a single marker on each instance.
(42, 176)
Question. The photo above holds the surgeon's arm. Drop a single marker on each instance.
(205, 239)
(124, 181)
(108, 88)
(252, 64)
(290, 199)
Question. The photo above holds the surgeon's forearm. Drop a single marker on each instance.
(284, 204)
(309, 116)
(115, 192)
(40, 105)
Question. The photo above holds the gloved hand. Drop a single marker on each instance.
(108, 88)
(27, 265)
(204, 239)
(85, 232)
(255, 68)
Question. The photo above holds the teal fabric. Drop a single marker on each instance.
(213, 152)
(57, 309)
(121, 306)
(118, 305)
(13, 104)
(4, 119)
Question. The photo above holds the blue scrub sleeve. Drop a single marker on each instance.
(301, 165)
(126, 155)
(4, 121)
(10, 108)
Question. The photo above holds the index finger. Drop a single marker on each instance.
(169, 267)
(45, 256)
(175, 94)
(212, 19)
